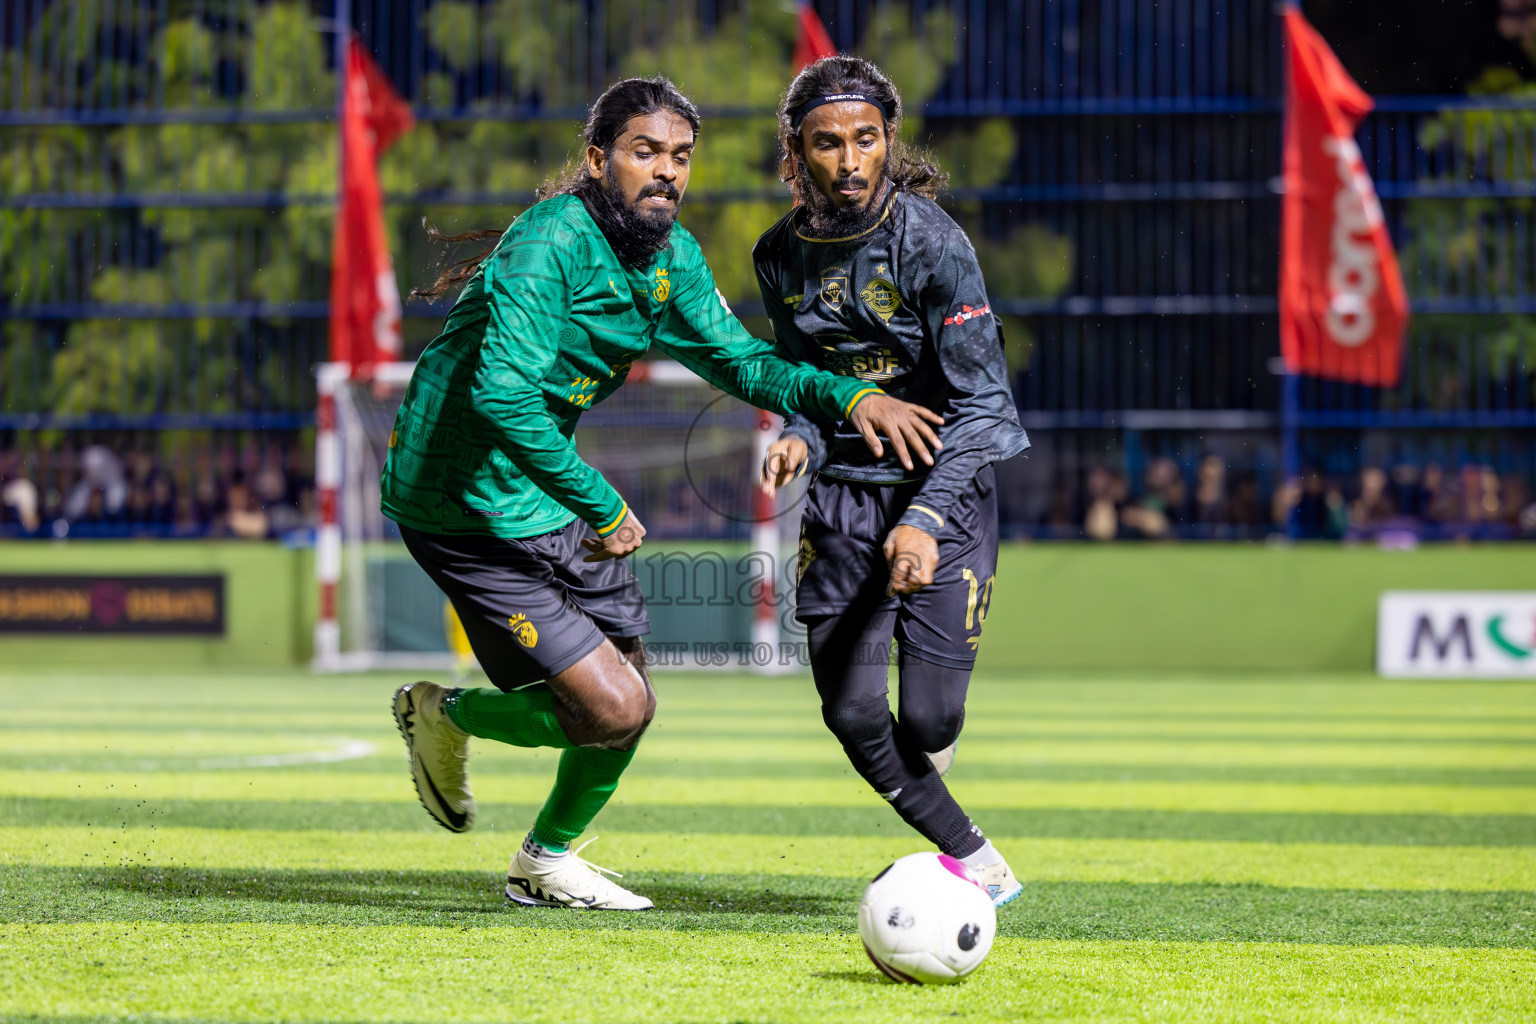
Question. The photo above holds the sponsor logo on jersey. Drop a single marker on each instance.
(834, 287)
(663, 285)
(965, 313)
(849, 357)
(481, 512)
(523, 630)
(880, 295)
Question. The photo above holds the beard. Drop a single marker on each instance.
(637, 234)
(830, 221)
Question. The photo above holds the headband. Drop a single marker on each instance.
(797, 113)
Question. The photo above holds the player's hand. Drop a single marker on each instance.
(913, 555)
(618, 543)
(906, 425)
(785, 460)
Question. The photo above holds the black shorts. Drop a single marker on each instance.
(531, 607)
(842, 566)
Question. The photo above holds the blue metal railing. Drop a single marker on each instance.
(1145, 136)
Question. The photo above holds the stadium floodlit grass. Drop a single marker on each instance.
(247, 847)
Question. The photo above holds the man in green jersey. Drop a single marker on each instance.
(522, 535)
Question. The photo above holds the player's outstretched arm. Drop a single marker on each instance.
(787, 459)
(705, 336)
(527, 312)
(909, 427)
(623, 541)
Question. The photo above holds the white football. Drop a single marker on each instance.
(926, 921)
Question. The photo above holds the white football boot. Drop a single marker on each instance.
(439, 755)
(999, 882)
(540, 878)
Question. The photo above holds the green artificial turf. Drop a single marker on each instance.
(1337, 848)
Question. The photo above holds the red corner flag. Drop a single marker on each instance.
(365, 300)
(1342, 305)
(811, 40)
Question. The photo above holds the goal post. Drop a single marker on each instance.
(684, 455)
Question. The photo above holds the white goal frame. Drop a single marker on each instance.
(347, 484)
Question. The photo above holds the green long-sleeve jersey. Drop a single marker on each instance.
(547, 328)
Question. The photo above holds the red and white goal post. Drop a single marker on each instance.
(377, 609)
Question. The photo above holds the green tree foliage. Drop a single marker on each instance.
(526, 54)
(1479, 247)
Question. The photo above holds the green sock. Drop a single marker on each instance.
(523, 718)
(587, 778)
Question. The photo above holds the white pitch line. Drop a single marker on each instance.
(350, 750)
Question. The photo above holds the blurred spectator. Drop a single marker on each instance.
(1312, 513)
(101, 477)
(1060, 522)
(1162, 507)
(210, 500)
(1244, 509)
(1527, 520)
(1314, 504)
(275, 494)
(1284, 504)
(1373, 508)
(1106, 491)
(1211, 492)
(1439, 501)
(1405, 491)
(246, 518)
(1517, 499)
(18, 494)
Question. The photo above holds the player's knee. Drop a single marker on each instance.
(618, 720)
(935, 731)
(857, 724)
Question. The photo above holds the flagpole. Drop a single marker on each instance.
(1290, 382)
(343, 35)
(331, 377)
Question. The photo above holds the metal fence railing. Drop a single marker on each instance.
(167, 173)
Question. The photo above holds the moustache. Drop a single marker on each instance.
(660, 188)
(851, 181)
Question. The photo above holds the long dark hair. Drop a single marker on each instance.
(622, 101)
(908, 169)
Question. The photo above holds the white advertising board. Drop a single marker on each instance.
(1457, 633)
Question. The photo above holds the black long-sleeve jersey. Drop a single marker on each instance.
(901, 305)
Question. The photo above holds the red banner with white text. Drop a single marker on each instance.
(1343, 309)
(811, 39)
(365, 300)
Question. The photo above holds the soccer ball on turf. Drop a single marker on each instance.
(924, 920)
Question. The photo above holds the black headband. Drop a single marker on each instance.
(797, 114)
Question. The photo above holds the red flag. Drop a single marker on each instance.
(365, 300)
(811, 40)
(1343, 309)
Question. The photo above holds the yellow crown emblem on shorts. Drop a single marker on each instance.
(526, 634)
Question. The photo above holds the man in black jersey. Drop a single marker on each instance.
(868, 277)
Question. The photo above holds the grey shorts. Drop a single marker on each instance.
(531, 607)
